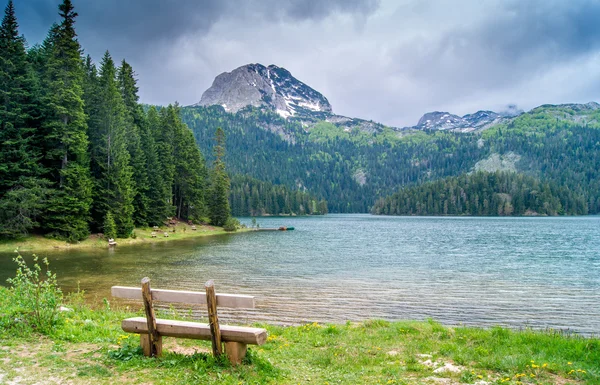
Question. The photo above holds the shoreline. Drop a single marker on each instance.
(36, 243)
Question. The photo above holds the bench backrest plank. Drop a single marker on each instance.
(194, 330)
(183, 296)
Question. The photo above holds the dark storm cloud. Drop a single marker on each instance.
(143, 21)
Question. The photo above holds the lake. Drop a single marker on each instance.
(516, 272)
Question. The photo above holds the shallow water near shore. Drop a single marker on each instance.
(516, 272)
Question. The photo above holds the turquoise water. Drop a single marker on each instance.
(517, 272)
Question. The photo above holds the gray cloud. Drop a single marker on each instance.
(389, 60)
(144, 21)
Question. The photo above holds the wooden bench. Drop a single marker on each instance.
(151, 329)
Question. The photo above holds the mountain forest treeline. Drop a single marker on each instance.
(253, 197)
(483, 194)
(351, 169)
(264, 146)
(79, 153)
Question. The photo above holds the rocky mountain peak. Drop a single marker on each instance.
(446, 121)
(439, 121)
(259, 86)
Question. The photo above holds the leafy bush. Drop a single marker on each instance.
(231, 224)
(35, 295)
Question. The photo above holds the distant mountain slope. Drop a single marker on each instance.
(349, 173)
(352, 169)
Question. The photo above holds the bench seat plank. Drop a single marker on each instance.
(184, 296)
(195, 330)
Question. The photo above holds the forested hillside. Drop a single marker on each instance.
(252, 197)
(351, 169)
(78, 153)
(484, 194)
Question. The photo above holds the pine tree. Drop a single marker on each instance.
(66, 158)
(164, 136)
(22, 192)
(109, 227)
(159, 207)
(218, 203)
(134, 122)
(113, 176)
(190, 176)
(17, 107)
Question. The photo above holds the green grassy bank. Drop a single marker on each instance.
(86, 346)
(37, 243)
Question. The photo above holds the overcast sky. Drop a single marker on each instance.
(389, 61)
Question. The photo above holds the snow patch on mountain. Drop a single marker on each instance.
(471, 122)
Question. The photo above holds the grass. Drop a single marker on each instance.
(38, 243)
(87, 346)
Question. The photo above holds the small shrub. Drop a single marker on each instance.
(110, 227)
(231, 224)
(35, 294)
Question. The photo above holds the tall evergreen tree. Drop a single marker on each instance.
(164, 136)
(66, 158)
(190, 175)
(22, 192)
(134, 121)
(17, 106)
(218, 202)
(113, 176)
(159, 191)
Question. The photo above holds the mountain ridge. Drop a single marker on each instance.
(275, 88)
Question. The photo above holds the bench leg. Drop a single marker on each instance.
(236, 351)
(145, 342)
